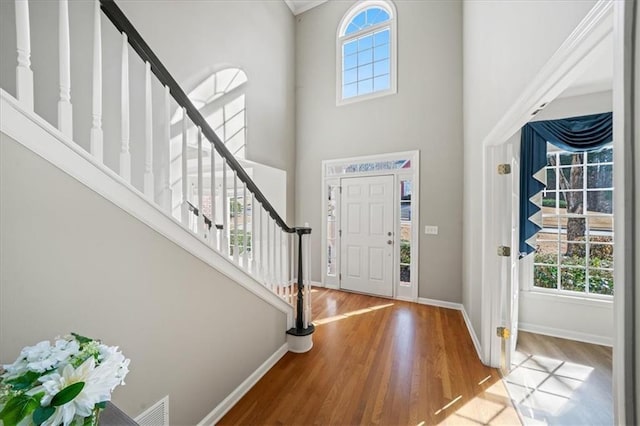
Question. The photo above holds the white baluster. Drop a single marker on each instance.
(292, 246)
(225, 210)
(253, 234)
(245, 234)
(201, 222)
(24, 75)
(264, 236)
(96, 127)
(274, 269)
(236, 236)
(281, 267)
(148, 134)
(257, 238)
(185, 207)
(65, 111)
(165, 162)
(214, 230)
(125, 155)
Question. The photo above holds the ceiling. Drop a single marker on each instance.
(299, 6)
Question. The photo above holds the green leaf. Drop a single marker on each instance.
(17, 409)
(23, 382)
(42, 414)
(101, 405)
(81, 339)
(67, 394)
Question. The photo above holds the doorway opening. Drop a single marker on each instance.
(370, 224)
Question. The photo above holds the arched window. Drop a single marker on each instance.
(221, 101)
(366, 51)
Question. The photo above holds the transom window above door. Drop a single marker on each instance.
(366, 52)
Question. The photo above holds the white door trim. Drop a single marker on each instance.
(569, 61)
(412, 173)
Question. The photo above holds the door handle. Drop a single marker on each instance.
(389, 242)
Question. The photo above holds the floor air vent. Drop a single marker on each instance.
(156, 415)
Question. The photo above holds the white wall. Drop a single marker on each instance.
(192, 39)
(564, 316)
(505, 45)
(425, 114)
(72, 261)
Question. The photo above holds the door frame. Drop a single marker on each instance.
(334, 170)
(606, 17)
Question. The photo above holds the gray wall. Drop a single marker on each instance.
(72, 261)
(425, 114)
(505, 43)
(193, 39)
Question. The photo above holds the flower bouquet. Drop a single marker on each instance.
(64, 383)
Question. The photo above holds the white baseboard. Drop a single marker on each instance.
(40, 137)
(472, 333)
(567, 334)
(440, 303)
(467, 321)
(214, 416)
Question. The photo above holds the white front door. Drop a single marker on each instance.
(367, 241)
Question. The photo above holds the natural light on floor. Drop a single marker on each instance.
(350, 314)
(545, 389)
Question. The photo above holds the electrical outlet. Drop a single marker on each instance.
(431, 230)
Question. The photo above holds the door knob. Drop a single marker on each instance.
(389, 242)
(389, 233)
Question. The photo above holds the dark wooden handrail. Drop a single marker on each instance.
(120, 21)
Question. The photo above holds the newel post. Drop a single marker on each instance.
(299, 337)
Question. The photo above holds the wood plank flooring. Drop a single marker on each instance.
(378, 361)
(562, 382)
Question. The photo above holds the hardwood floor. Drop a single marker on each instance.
(378, 361)
(561, 382)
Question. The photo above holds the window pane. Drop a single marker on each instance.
(603, 156)
(381, 83)
(571, 158)
(381, 37)
(331, 258)
(365, 57)
(405, 210)
(360, 19)
(365, 72)
(549, 199)
(350, 48)
(573, 177)
(381, 67)
(601, 255)
(600, 176)
(376, 15)
(381, 52)
(365, 87)
(600, 228)
(349, 90)
(350, 62)
(600, 202)
(572, 201)
(572, 279)
(405, 273)
(350, 76)
(575, 255)
(545, 276)
(601, 281)
(551, 178)
(575, 228)
(365, 42)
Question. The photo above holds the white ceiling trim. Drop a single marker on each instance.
(300, 6)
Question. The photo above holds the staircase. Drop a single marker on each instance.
(201, 197)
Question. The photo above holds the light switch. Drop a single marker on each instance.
(431, 230)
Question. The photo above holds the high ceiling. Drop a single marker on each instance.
(299, 6)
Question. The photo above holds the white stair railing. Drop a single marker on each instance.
(249, 232)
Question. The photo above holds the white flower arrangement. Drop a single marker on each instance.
(66, 383)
